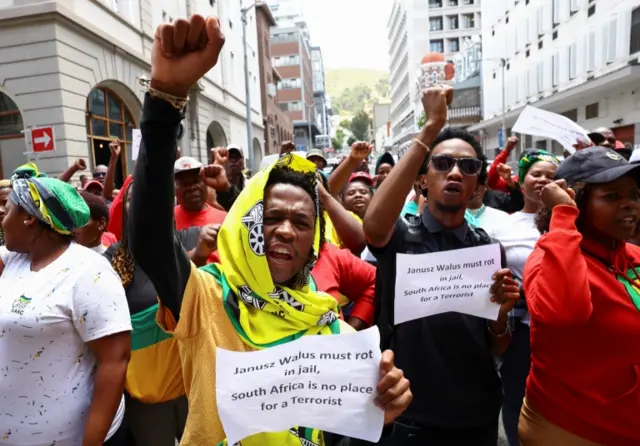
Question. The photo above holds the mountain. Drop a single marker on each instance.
(354, 89)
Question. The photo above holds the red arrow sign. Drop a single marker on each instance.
(43, 139)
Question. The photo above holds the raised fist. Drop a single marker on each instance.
(215, 177)
(80, 164)
(220, 156)
(287, 147)
(557, 193)
(361, 150)
(183, 52)
(115, 148)
(435, 101)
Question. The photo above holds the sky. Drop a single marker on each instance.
(351, 33)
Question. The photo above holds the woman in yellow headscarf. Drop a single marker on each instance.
(262, 294)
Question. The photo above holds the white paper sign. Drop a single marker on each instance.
(320, 382)
(438, 282)
(136, 137)
(635, 156)
(537, 122)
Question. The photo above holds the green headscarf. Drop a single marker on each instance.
(531, 157)
(29, 170)
(51, 201)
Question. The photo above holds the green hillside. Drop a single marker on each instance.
(352, 89)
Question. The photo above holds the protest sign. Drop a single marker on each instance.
(438, 282)
(136, 139)
(320, 382)
(538, 122)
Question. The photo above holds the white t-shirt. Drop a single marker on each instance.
(518, 236)
(46, 367)
(491, 220)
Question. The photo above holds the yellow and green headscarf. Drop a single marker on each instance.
(266, 314)
(29, 170)
(53, 202)
(531, 157)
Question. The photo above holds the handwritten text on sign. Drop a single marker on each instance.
(321, 382)
(439, 282)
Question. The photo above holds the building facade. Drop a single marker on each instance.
(277, 125)
(291, 54)
(578, 58)
(320, 100)
(76, 66)
(450, 23)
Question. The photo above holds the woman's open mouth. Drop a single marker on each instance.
(280, 254)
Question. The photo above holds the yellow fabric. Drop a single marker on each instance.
(154, 374)
(203, 326)
(330, 231)
(269, 314)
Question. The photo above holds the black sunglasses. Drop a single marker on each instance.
(468, 166)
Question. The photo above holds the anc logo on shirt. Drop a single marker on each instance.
(20, 304)
(633, 290)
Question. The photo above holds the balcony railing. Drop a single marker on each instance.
(435, 4)
(464, 113)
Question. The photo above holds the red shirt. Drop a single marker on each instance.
(585, 334)
(207, 216)
(338, 272)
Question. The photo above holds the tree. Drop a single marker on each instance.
(345, 124)
(338, 140)
(351, 140)
(352, 99)
(422, 120)
(360, 126)
(383, 88)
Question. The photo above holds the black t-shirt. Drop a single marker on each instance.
(447, 357)
(141, 294)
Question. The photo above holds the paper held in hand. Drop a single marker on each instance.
(538, 122)
(136, 137)
(439, 282)
(320, 382)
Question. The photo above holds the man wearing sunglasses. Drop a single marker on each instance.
(604, 137)
(449, 357)
(99, 173)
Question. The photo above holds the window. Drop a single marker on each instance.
(591, 51)
(435, 3)
(635, 31)
(592, 111)
(575, 6)
(571, 114)
(286, 61)
(10, 119)
(290, 106)
(556, 69)
(284, 38)
(452, 2)
(468, 21)
(454, 45)
(295, 82)
(573, 60)
(453, 22)
(613, 34)
(128, 9)
(591, 11)
(230, 24)
(527, 53)
(554, 36)
(437, 46)
(556, 12)
(107, 118)
(466, 2)
(540, 44)
(212, 2)
(435, 24)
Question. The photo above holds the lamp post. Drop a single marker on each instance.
(309, 107)
(503, 64)
(247, 88)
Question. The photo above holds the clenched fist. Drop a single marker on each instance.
(183, 52)
(557, 193)
(361, 150)
(220, 156)
(435, 101)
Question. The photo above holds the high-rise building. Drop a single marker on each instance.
(291, 55)
(323, 109)
(450, 23)
(277, 125)
(75, 66)
(578, 58)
